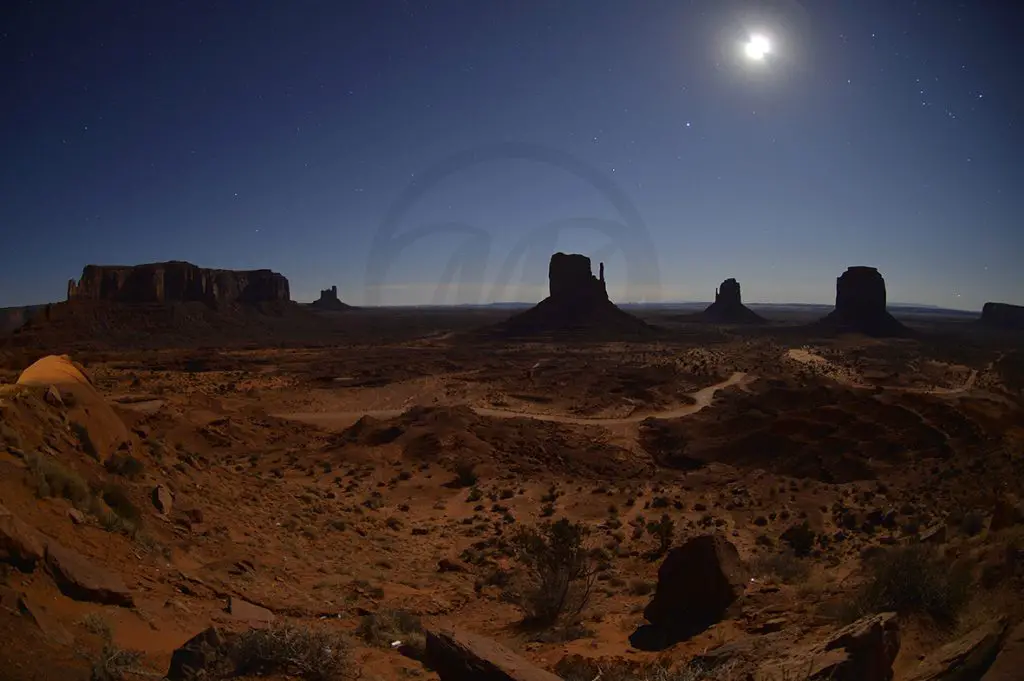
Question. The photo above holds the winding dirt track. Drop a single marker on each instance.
(702, 398)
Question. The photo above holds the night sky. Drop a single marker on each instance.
(284, 135)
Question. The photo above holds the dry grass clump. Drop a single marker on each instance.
(308, 653)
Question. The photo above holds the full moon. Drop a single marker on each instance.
(757, 47)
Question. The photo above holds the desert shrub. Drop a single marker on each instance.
(474, 495)
(125, 465)
(308, 653)
(384, 627)
(113, 663)
(972, 523)
(786, 566)
(664, 531)
(52, 479)
(561, 574)
(913, 580)
(577, 668)
(117, 512)
(465, 474)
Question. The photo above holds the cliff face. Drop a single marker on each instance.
(178, 282)
(1003, 315)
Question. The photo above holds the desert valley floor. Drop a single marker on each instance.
(369, 486)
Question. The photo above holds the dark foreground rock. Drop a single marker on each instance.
(1009, 662)
(458, 655)
(20, 545)
(697, 584)
(966, 658)
(204, 656)
(869, 647)
(177, 282)
(82, 580)
(861, 306)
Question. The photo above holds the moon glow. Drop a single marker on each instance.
(757, 47)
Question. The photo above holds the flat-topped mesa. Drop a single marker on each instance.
(177, 282)
(860, 305)
(329, 300)
(571, 279)
(1003, 316)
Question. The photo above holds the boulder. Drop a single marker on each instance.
(1009, 662)
(163, 500)
(1006, 512)
(204, 656)
(98, 426)
(1003, 316)
(697, 584)
(329, 300)
(80, 579)
(861, 306)
(964, 659)
(728, 307)
(20, 545)
(870, 646)
(178, 282)
(247, 612)
(577, 304)
(459, 655)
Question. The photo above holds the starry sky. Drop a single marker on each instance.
(417, 152)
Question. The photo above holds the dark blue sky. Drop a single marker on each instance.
(264, 133)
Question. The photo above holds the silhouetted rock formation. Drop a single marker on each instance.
(860, 306)
(577, 304)
(178, 282)
(728, 308)
(329, 300)
(1003, 316)
(13, 318)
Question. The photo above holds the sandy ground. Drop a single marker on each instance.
(318, 483)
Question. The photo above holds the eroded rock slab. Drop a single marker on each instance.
(459, 655)
(82, 580)
(1009, 662)
(20, 544)
(964, 659)
(204, 656)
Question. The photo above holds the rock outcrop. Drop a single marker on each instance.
(329, 300)
(697, 584)
(1010, 660)
(1003, 316)
(458, 655)
(178, 282)
(728, 307)
(98, 427)
(968, 657)
(577, 304)
(84, 581)
(860, 306)
(20, 545)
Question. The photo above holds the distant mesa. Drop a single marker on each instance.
(329, 300)
(1003, 316)
(13, 318)
(577, 304)
(728, 308)
(178, 282)
(861, 306)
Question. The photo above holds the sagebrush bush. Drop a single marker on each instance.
(913, 580)
(52, 479)
(309, 653)
(561, 572)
